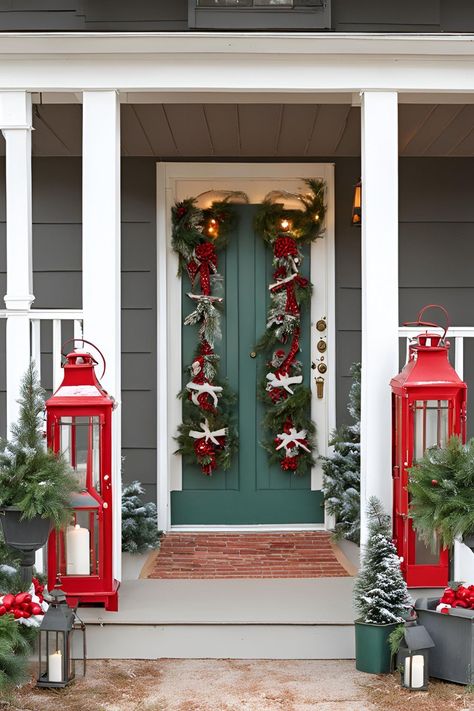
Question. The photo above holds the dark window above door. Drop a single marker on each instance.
(304, 15)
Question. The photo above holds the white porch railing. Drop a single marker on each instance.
(463, 557)
(58, 318)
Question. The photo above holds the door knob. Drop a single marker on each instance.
(321, 325)
(322, 367)
(253, 354)
(319, 387)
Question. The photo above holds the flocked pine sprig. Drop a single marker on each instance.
(207, 316)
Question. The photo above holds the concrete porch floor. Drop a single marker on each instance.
(233, 685)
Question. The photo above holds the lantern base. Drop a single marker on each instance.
(43, 683)
(107, 598)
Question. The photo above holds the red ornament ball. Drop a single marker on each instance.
(434, 482)
(289, 463)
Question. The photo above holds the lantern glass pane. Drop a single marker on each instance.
(78, 545)
(431, 424)
(425, 554)
(80, 445)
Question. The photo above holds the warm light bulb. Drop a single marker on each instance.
(316, 218)
(285, 225)
(213, 222)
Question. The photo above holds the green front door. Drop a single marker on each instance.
(252, 491)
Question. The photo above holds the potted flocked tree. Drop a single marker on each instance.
(441, 487)
(140, 533)
(35, 484)
(380, 594)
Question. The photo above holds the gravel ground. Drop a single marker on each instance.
(231, 685)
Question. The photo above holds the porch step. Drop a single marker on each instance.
(307, 554)
(240, 619)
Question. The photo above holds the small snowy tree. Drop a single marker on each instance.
(139, 521)
(380, 592)
(341, 480)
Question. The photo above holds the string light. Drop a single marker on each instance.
(285, 225)
(212, 230)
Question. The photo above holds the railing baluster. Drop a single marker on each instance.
(77, 328)
(459, 356)
(36, 344)
(57, 372)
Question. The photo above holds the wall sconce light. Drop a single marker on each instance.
(357, 205)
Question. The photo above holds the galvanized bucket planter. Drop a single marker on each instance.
(452, 658)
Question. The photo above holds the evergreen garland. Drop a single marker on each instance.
(207, 435)
(139, 521)
(341, 478)
(441, 487)
(380, 592)
(290, 430)
(33, 478)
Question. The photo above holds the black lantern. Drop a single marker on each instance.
(357, 205)
(56, 665)
(413, 656)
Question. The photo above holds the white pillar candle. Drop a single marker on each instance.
(55, 666)
(417, 666)
(77, 550)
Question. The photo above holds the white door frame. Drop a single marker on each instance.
(179, 180)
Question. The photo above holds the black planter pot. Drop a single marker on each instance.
(468, 541)
(25, 536)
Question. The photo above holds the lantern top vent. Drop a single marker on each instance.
(428, 362)
(80, 385)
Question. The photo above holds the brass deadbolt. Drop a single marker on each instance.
(322, 367)
(253, 354)
(322, 346)
(321, 325)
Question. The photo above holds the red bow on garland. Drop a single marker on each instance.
(205, 261)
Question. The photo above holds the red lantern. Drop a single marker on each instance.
(79, 425)
(428, 407)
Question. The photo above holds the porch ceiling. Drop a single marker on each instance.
(276, 130)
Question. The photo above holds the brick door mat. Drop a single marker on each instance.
(308, 554)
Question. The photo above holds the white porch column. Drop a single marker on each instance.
(101, 259)
(379, 293)
(16, 126)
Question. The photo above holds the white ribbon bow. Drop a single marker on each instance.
(203, 388)
(283, 381)
(206, 433)
(292, 439)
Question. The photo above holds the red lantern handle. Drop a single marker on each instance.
(430, 324)
(83, 340)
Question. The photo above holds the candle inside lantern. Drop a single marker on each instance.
(77, 550)
(55, 666)
(417, 666)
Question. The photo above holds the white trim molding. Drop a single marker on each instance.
(379, 295)
(289, 64)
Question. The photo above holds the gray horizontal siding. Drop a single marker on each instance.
(172, 15)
